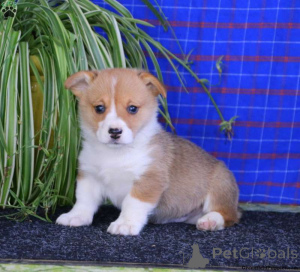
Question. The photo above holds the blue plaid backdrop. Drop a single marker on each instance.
(260, 83)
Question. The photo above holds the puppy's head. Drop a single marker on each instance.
(115, 104)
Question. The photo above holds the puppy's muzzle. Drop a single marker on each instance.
(115, 133)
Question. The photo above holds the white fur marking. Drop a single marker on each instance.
(211, 221)
(113, 84)
(88, 199)
(133, 217)
(206, 205)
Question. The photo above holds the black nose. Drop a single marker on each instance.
(115, 133)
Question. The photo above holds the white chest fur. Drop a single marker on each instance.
(114, 169)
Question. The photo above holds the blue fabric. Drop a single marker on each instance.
(260, 84)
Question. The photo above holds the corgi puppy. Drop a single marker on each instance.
(127, 157)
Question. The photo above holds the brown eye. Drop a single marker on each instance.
(100, 109)
(132, 109)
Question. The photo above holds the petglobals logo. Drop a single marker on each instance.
(8, 9)
(254, 253)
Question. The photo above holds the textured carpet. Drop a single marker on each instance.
(261, 239)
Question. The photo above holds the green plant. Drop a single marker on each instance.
(38, 166)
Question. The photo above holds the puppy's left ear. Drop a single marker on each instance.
(152, 83)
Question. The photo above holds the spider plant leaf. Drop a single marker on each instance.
(119, 8)
(49, 94)
(153, 59)
(219, 65)
(139, 22)
(204, 81)
(118, 51)
(10, 117)
(79, 52)
(2, 138)
(157, 14)
(3, 148)
(27, 125)
(98, 54)
(5, 32)
(134, 52)
(36, 74)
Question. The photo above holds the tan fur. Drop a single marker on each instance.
(150, 186)
(182, 175)
(191, 174)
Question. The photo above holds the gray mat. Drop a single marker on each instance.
(262, 239)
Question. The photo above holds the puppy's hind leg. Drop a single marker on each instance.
(217, 218)
(221, 204)
(206, 219)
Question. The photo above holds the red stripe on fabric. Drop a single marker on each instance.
(187, 121)
(261, 156)
(245, 58)
(226, 25)
(271, 184)
(226, 90)
(234, 58)
(297, 191)
(292, 204)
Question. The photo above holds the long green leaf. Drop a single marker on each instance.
(97, 53)
(48, 102)
(10, 120)
(118, 51)
(2, 138)
(5, 32)
(27, 125)
(157, 14)
(3, 148)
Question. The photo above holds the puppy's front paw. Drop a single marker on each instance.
(211, 221)
(123, 227)
(74, 219)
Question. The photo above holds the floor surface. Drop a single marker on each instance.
(262, 239)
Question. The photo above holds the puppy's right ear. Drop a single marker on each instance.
(80, 81)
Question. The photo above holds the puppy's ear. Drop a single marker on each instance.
(80, 81)
(152, 83)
